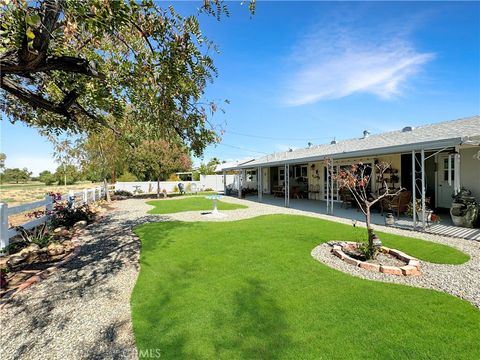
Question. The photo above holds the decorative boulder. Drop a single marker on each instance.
(80, 224)
(14, 260)
(55, 249)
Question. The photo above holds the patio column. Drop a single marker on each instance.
(286, 184)
(422, 165)
(224, 182)
(456, 171)
(260, 183)
(414, 189)
(327, 197)
(239, 184)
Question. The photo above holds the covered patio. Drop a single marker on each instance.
(444, 227)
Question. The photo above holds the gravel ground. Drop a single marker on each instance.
(83, 310)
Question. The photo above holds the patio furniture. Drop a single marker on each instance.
(346, 197)
(278, 191)
(296, 193)
(399, 203)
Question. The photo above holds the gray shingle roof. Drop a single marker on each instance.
(433, 136)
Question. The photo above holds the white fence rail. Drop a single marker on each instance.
(214, 182)
(79, 197)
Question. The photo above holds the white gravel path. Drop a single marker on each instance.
(83, 310)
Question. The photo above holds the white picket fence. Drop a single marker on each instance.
(80, 197)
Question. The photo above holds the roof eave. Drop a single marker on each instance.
(388, 150)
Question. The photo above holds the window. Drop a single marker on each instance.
(445, 169)
(251, 175)
(300, 171)
(281, 174)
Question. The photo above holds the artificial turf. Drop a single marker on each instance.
(250, 289)
(191, 203)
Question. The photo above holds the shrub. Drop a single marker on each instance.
(67, 216)
(127, 177)
(188, 189)
(175, 189)
(208, 189)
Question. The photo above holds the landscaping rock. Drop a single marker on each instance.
(55, 249)
(339, 253)
(351, 261)
(15, 260)
(409, 270)
(369, 266)
(392, 270)
(415, 263)
(29, 250)
(80, 224)
(58, 230)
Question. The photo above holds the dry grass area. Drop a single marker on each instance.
(18, 194)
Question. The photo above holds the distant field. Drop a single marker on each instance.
(17, 194)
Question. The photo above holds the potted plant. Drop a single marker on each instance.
(464, 210)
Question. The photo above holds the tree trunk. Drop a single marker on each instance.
(371, 235)
(158, 187)
(107, 194)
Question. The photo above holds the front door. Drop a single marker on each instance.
(444, 188)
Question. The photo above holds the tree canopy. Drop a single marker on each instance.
(67, 64)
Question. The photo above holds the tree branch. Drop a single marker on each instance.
(65, 63)
(34, 100)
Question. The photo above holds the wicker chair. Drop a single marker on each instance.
(400, 202)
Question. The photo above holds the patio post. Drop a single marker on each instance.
(414, 190)
(224, 182)
(456, 171)
(328, 187)
(286, 184)
(332, 187)
(423, 187)
(239, 184)
(260, 183)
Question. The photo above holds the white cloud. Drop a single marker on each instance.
(337, 61)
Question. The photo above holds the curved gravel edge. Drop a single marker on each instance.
(459, 280)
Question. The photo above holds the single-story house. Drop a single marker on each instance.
(437, 159)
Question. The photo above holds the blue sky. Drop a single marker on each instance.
(300, 72)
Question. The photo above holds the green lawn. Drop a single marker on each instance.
(193, 203)
(251, 290)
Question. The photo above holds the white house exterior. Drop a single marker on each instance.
(447, 158)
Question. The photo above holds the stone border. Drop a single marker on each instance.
(43, 274)
(411, 269)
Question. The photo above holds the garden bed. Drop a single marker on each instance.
(388, 261)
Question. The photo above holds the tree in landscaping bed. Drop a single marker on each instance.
(357, 179)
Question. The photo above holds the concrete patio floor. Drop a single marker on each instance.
(444, 227)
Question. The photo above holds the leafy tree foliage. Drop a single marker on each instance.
(46, 177)
(158, 159)
(66, 65)
(16, 175)
(68, 174)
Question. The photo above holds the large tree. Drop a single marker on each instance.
(158, 159)
(66, 64)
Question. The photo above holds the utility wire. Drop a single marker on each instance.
(242, 148)
(276, 138)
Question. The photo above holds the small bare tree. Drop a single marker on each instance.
(357, 179)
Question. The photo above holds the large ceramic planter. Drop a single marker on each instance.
(464, 215)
